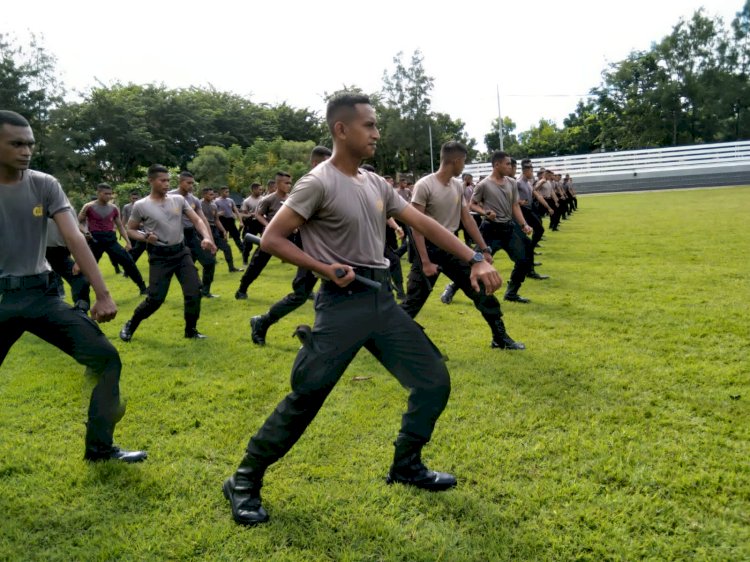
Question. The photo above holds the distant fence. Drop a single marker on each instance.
(700, 165)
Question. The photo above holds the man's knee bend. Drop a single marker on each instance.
(102, 357)
(192, 303)
(487, 304)
(436, 395)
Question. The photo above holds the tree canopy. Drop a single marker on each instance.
(692, 86)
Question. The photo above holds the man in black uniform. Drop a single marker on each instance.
(27, 300)
(228, 215)
(302, 285)
(525, 201)
(496, 199)
(440, 196)
(250, 224)
(161, 215)
(192, 240)
(267, 208)
(137, 247)
(341, 213)
(63, 266)
(211, 212)
(100, 218)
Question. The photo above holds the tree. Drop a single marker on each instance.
(211, 165)
(406, 92)
(542, 140)
(510, 141)
(29, 85)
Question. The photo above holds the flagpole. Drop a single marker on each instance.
(499, 118)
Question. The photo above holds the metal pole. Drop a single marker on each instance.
(432, 161)
(499, 118)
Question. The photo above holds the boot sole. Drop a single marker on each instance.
(430, 488)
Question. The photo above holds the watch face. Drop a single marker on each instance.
(477, 258)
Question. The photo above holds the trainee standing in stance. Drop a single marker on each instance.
(341, 212)
(28, 302)
(161, 216)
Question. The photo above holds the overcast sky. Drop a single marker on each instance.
(542, 55)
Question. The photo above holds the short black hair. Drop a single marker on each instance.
(186, 174)
(321, 151)
(156, 169)
(342, 103)
(205, 190)
(499, 156)
(513, 161)
(13, 119)
(223, 187)
(103, 186)
(526, 163)
(452, 149)
(135, 192)
(368, 167)
(254, 185)
(283, 174)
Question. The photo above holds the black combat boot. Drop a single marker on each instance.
(258, 327)
(501, 339)
(407, 468)
(511, 293)
(242, 489)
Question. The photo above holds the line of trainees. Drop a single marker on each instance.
(343, 226)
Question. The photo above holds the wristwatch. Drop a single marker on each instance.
(476, 258)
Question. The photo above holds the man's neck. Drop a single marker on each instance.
(157, 196)
(10, 176)
(346, 163)
(444, 175)
(497, 176)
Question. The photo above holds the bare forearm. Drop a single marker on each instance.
(437, 234)
(287, 251)
(418, 239)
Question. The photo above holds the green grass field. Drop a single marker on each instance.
(621, 433)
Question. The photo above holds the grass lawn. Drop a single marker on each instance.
(621, 433)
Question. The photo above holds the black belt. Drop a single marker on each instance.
(18, 283)
(166, 250)
(500, 225)
(380, 275)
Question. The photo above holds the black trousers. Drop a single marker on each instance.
(249, 226)
(61, 263)
(345, 321)
(42, 313)
(258, 263)
(302, 286)
(162, 266)
(137, 249)
(106, 242)
(223, 245)
(536, 225)
(419, 286)
(231, 227)
(467, 239)
(554, 220)
(204, 257)
(516, 244)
